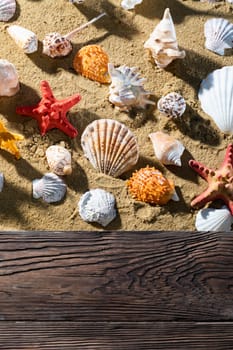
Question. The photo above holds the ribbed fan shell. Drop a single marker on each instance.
(219, 35)
(7, 9)
(211, 219)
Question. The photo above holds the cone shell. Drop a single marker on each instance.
(110, 146)
(59, 160)
(150, 186)
(56, 45)
(24, 38)
(211, 219)
(7, 10)
(167, 149)
(9, 81)
(92, 62)
(219, 35)
(50, 187)
(172, 105)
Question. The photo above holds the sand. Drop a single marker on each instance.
(122, 34)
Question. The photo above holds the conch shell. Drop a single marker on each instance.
(59, 160)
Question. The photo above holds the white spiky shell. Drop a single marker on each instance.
(59, 160)
(162, 42)
(24, 38)
(50, 187)
(130, 4)
(172, 105)
(7, 9)
(110, 146)
(56, 45)
(97, 206)
(216, 97)
(211, 219)
(167, 149)
(126, 89)
(219, 35)
(9, 81)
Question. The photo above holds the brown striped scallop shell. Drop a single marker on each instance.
(7, 10)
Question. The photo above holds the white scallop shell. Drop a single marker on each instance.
(110, 146)
(97, 206)
(211, 219)
(24, 38)
(50, 187)
(219, 35)
(7, 9)
(126, 89)
(130, 4)
(9, 81)
(1, 181)
(172, 105)
(216, 97)
(167, 149)
(59, 160)
(162, 42)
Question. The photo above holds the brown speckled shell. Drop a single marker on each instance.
(92, 62)
(150, 186)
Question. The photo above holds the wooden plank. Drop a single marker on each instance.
(116, 276)
(115, 336)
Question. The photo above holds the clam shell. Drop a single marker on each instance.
(24, 38)
(216, 97)
(97, 206)
(110, 146)
(91, 61)
(7, 10)
(172, 105)
(219, 35)
(56, 45)
(50, 187)
(59, 160)
(167, 149)
(130, 4)
(9, 81)
(211, 219)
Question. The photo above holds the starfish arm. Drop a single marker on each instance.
(10, 146)
(46, 91)
(205, 197)
(228, 159)
(201, 169)
(26, 110)
(67, 103)
(65, 126)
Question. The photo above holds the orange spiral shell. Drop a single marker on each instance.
(150, 186)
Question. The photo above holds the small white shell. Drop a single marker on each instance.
(1, 181)
(130, 4)
(59, 160)
(24, 38)
(126, 90)
(7, 9)
(56, 45)
(211, 219)
(172, 105)
(219, 35)
(216, 97)
(50, 187)
(110, 146)
(167, 149)
(9, 81)
(97, 206)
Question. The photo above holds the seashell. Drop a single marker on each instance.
(216, 97)
(92, 62)
(9, 81)
(167, 149)
(7, 10)
(130, 4)
(110, 146)
(150, 186)
(50, 187)
(24, 38)
(77, 1)
(59, 160)
(126, 90)
(58, 45)
(211, 219)
(162, 42)
(219, 35)
(1, 181)
(172, 105)
(97, 206)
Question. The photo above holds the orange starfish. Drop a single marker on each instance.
(7, 141)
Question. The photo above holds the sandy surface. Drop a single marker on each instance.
(122, 34)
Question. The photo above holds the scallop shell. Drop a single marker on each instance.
(167, 149)
(97, 206)
(216, 97)
(56, 45)
(24, 38)
(219, 35)
(162, 42)
(59, 160)
(150, 186)
(9, 81)
(126, 90)
(130, 4)
(7, 10)
(50, 187)
(172, 105)
(91, 61)
(211, 219)
(110, 146)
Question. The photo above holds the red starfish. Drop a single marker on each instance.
(220, 182)
(51, 113)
